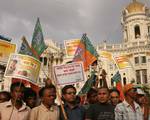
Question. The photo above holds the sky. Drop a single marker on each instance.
(64, 19)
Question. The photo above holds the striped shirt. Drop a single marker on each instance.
(124, 111)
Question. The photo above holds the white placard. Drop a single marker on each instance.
(69, 73)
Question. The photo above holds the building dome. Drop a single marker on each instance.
(135, 7)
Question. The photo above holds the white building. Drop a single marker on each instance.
(135, 23)
(53, 55)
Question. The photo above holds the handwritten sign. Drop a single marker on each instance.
(69, 73)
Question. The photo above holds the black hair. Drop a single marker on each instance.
(6, 94)
(16, 84)
(41, 92)
(65, 88)
(28, 92)
(104, 88)
(91, 92)
(114, 90)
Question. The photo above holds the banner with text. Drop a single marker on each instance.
(6, 48)
(106, 55)
(122, 61)
(24, 67)
(71, 46)
(69, 73)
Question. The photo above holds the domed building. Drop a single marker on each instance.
(135, 7)
(135, 23)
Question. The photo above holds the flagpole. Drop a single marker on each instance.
(116, 64)
(33, 52)
(84, 35)
(59, 98)
(121, 98)
(21, 82)
(132, 67)
(53, 78)
(128, 62)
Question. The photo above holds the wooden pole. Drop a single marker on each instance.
(15, 101)
(59, 98)
(58, 95)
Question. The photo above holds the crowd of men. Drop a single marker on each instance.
(23, 103)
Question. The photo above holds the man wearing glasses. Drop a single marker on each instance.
(73, 110)
(128, 109)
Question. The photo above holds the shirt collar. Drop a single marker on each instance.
(8, 104)
(23, 107)
(128, 105)
(67, 106)
(52, 108)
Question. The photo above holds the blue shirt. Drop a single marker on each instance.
(75, 113)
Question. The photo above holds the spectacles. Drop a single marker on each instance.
(69, 93)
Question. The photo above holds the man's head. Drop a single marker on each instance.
(92, 96)
(17, 91)
(103, 95)
(48, 95)
(13, 64)
(4, 96)
(114, 96)
(140, 99)
(69, 94)
(130, 91)
(30, 97)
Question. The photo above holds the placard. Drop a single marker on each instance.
(69, 73)
(23, 67)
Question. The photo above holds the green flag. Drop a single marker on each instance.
(117, 78)
(88, 84)
(38, 44)
(5, 38)
(25, 48)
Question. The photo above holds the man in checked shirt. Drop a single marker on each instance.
(128, 109)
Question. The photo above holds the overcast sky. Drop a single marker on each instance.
(64, 19)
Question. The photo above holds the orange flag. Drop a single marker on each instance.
(85, 52)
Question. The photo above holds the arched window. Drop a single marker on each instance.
(137, 31)
(148, 30)
(45, 61)
(138, 77)
(112, 82)
(41, 59)
(124, 81)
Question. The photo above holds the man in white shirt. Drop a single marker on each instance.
(48, 110)
(15, 109)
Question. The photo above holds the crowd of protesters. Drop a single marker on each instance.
(23, 103)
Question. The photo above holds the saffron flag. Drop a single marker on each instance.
(117, 78)
(25, 49)
(38, 44)
(122, 61)
(85, 52)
